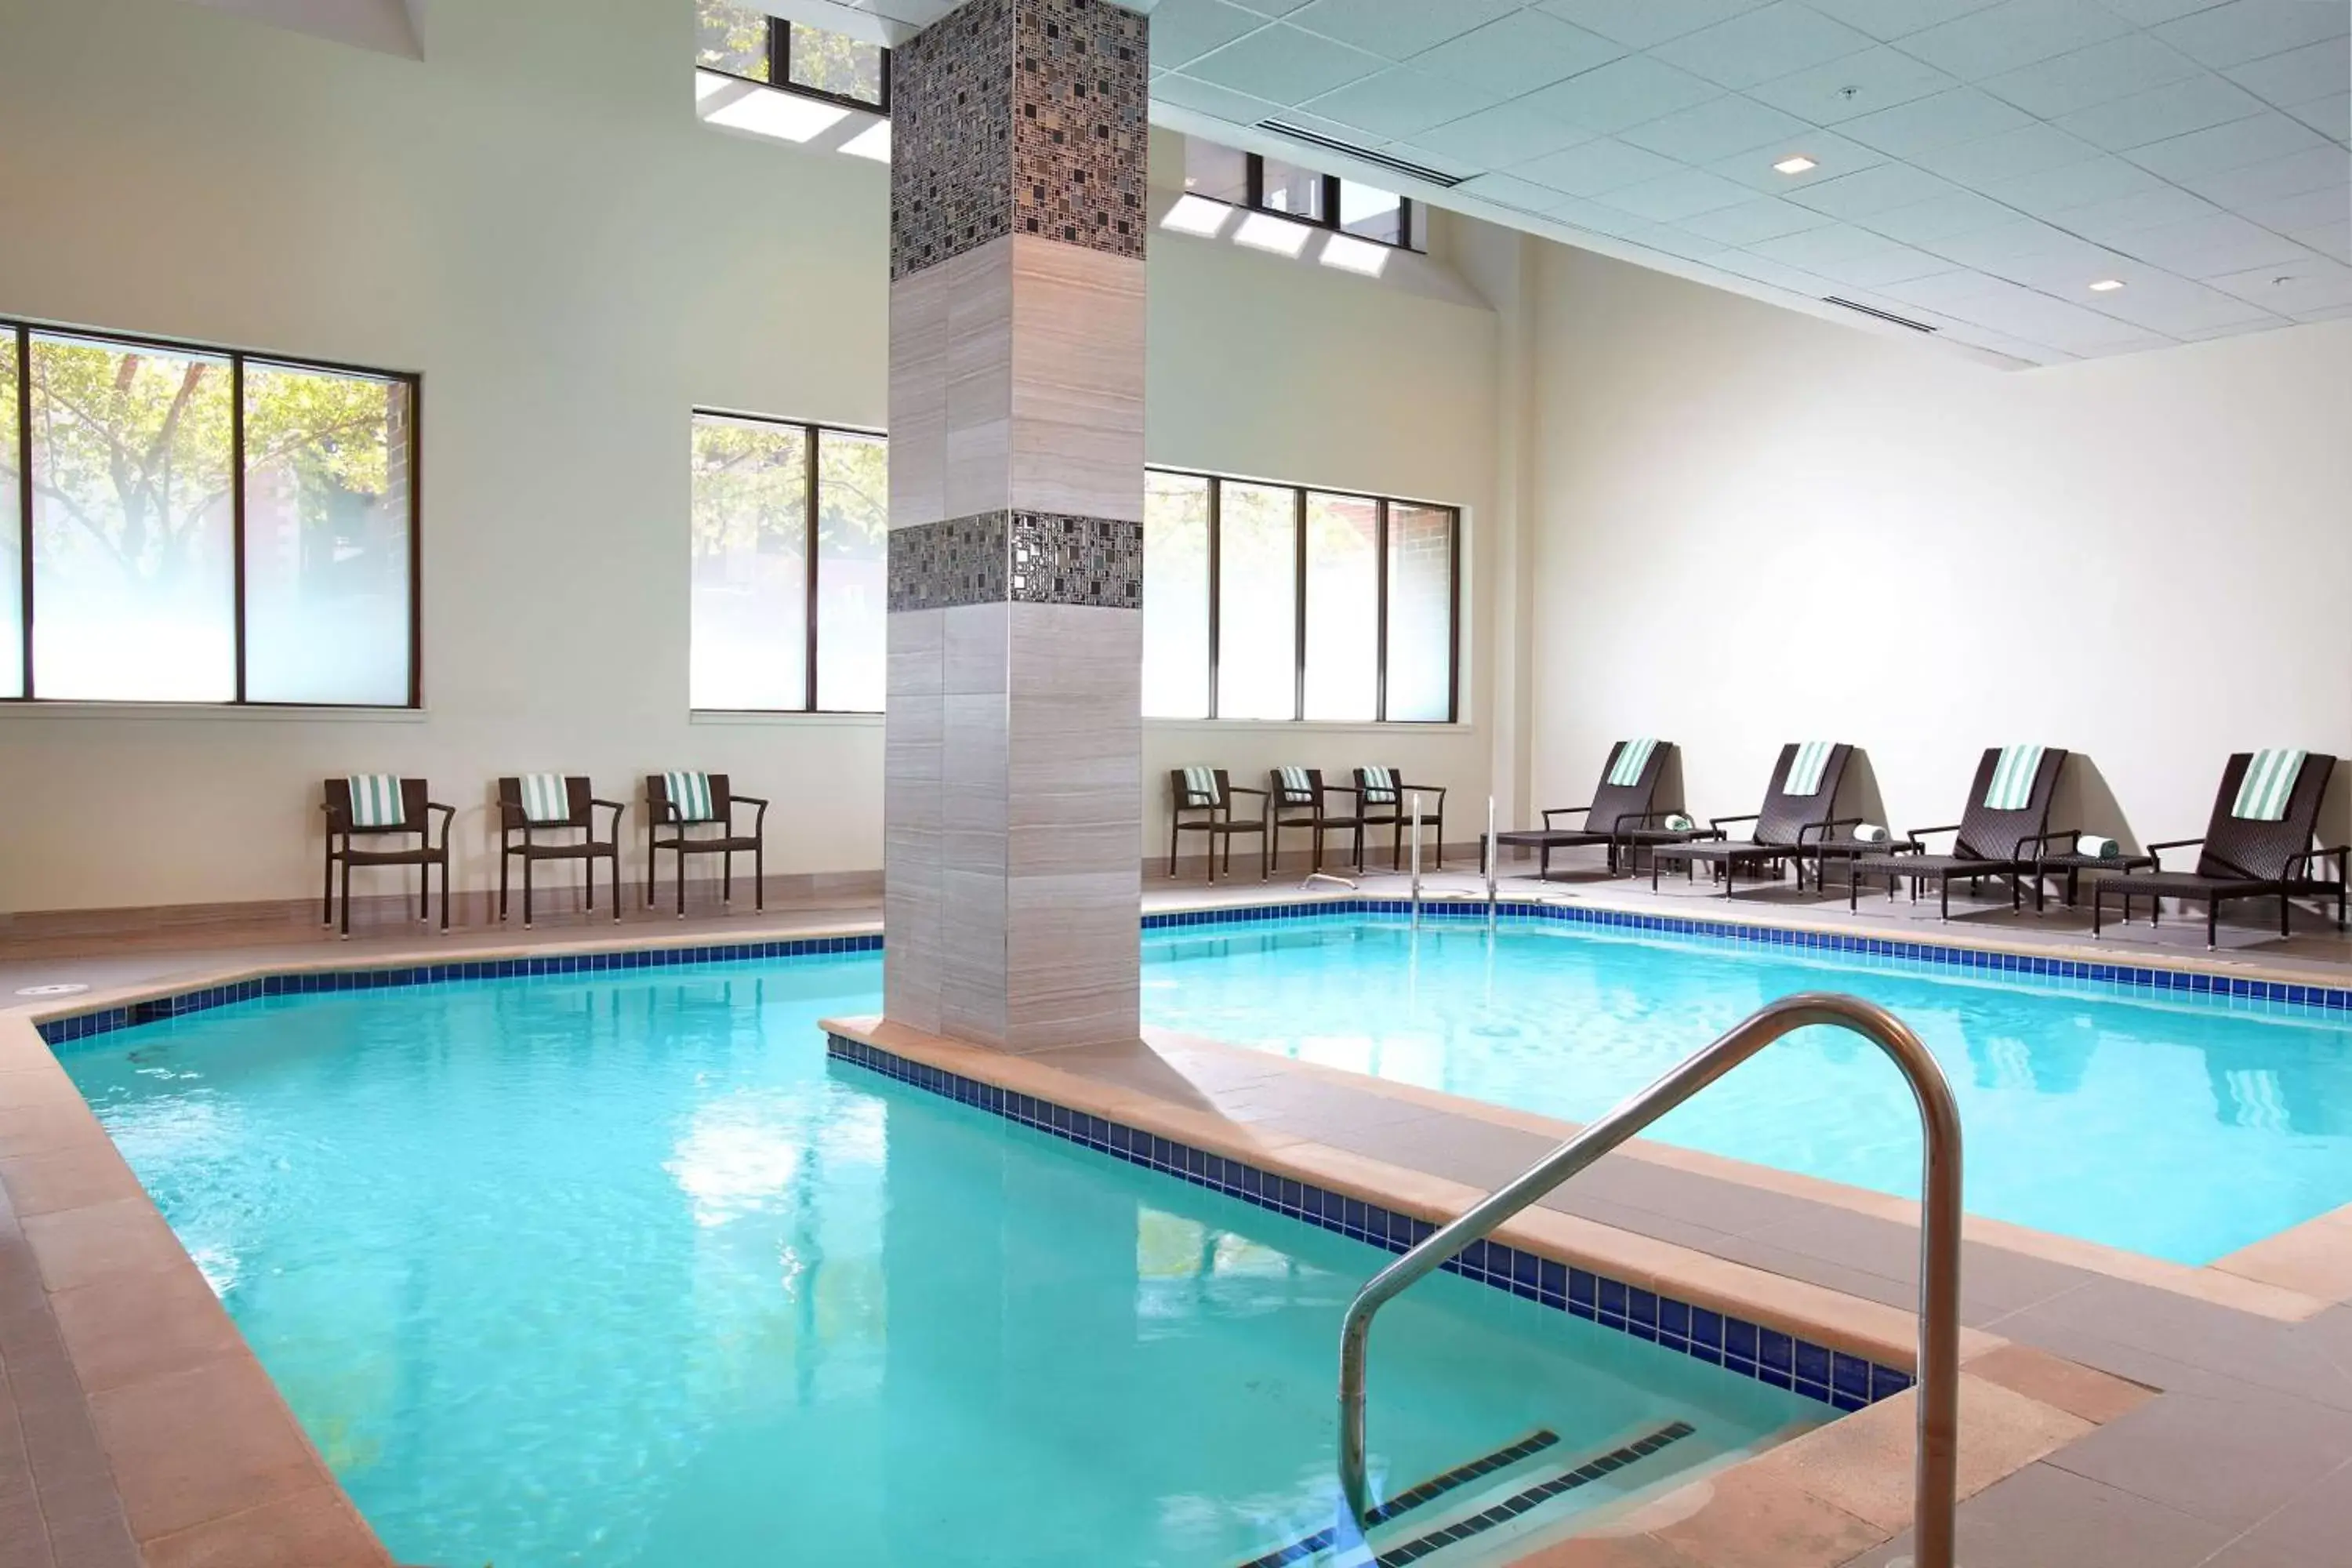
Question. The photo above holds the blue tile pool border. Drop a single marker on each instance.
(2126, 977)
(1749, 1350)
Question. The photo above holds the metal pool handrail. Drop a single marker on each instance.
(1940, 1238)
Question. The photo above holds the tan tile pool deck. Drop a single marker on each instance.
(2117, 1409)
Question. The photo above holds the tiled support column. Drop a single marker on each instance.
(1011, 792)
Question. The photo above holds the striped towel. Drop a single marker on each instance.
(1870, 833)
(2012, 778)
(1199, 786)
(1296, 788)
(546, 797)
(1806, 767)
(2269, 784)
(689, 797)
(1379, 786)
(375, 800)
(1678, 822)
(1631, 761)
(2096, 846)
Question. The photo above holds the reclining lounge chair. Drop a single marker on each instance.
(2006, 822)
(2258, 844)
(1626, 797)
(1798, 807)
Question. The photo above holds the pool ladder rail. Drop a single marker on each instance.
(1936, 1486)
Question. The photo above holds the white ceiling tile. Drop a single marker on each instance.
(1898, 18)
(1672, 198)
(1206, 98)
(2331, 117)
(1431, 158)
(2038, 318)
(1760, 44)
(2256, 139)
(2300, 75)
(1282, 64)
(1639, 24)
(2068, 274)
(2230, 330)
(2046, 192)
(1989, 248)
(1857, 84)
(2177, 306)
(2327, 206)
(1849, 254)
(2316, 169)
(1396, 29)
(1623, 92)
(1894, 263)
(1600, 219)
(2024, 150)
(1779, 274)
(2148, 12)
(1510, 191)
(1592, 167)
(1831, 153)
(1754, 220)
(2208, 247)
(2100, 74)
(1942, 120)
(1184, 30)
(2015, 33)
(2174, 109)
(1518, 54)
(2104, 221)
(1940, 291)
(1675, 242)
(1872, 190)
(2292, 289)
(2246, 30)
(1925, 222)
(2328, 240)
(1399, 102)
(1719, 128)
(1499, 137)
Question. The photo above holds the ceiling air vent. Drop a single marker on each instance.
(1874, 310)
(1364, 154)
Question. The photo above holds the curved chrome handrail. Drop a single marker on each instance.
(1940, 1239)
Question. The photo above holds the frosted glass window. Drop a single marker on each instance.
(12, 518)
(731, 38)
(1420, 614)
(1258, 608)
(852, 570)
(1343, 608)
(132, 529)
(1175, 597)
(326, 537)
(748, 639)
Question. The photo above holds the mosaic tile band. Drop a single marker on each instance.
(1020, 557)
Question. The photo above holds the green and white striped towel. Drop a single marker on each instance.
(1678, 822)
(1379, 786)
(375, 800)
(1199, 786)
(1870, 833)
(689, 797)
(2269, 784)
(546, 797)
(2012, 778)
(1805, 769)
(2096, 846)
(1296, 788)
(1632, 759)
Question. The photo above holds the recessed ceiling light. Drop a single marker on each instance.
(2107, 284)
(1795, 163)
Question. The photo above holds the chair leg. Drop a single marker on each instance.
(327, 904)
(2284, 929)
(617, 878)
(680, 850)
(2212, 919)
(445, 887)
(588, 880)
(1944, 897)
(525, 892)
(727, 876)
(1264, 859)
(347, 898)
(760, 879)
(1175, 831)
(424, 890)
(505, 860)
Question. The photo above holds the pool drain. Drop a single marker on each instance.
(61, 988)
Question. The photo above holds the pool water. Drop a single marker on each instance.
(622, 1272)
(2180, 1127)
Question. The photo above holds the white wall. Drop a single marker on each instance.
(533, 219)
(1758, 527)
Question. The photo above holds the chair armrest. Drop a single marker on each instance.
(1939, 827)
(1244, 789)
(1717, 822)
(449, 816)
(2341, 853)
(2043, 841)
(1563, 811)
(2156, 851)
(614, 806)
(758, 817)
(1828, 825)
(1636, 818)
(1405, 790)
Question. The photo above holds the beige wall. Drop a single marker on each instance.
(1758, 527)
(533, 219)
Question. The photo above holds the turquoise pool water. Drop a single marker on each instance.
(621, 1271)
(2181, 1126)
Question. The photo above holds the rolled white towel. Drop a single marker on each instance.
(2093, 847)
(1870, 833)
(1677, 823)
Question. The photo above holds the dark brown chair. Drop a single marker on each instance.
(1782, 830)
(1299, 798)
(1988, 840)
(2242, 857)
(555, 804)
(1208, 794)
(351, 835)
(1615, 806)
(683, 802)
(1384, 800)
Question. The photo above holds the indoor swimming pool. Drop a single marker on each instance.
(618, 1269)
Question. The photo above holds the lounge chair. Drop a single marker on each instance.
(682, 802)
(2258, 844)
(1301, 799)
(1384, 800)
(1800, 806)
(2005, 824)
(1626, 797)
(533, 804)
(1209, 793)
(369, 808)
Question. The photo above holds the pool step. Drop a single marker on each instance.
(1444, 1522)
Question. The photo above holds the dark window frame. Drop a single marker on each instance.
(811, 507)
(1328, 219)
(1383, 505)
(19, 334)
(779, 77)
